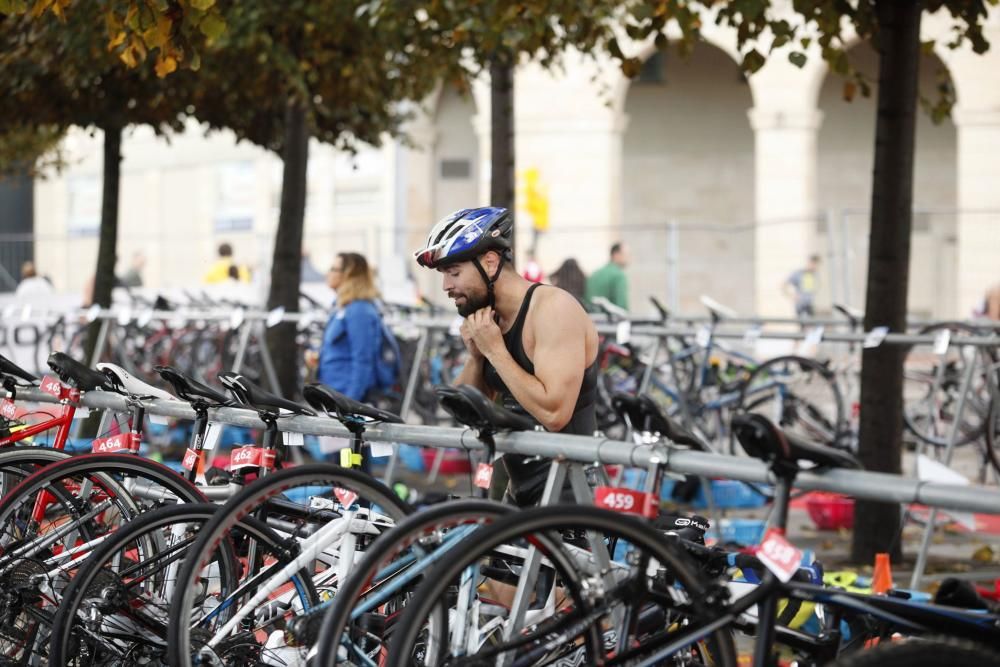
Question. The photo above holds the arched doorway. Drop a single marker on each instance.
(688, 165)
(846, 153)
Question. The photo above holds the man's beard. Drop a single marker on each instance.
(473, 302)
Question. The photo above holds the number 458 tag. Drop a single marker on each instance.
(779, 555)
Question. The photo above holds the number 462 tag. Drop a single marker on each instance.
(779, 555)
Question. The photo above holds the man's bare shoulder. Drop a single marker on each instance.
(558, 309)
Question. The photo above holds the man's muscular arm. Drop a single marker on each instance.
(559, 358)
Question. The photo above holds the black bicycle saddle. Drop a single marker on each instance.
(646, 415)
(75, 374)
(249, 394)
(8, 367)
(324, 399)
(469, 406)
(190, 390)
(763, 439)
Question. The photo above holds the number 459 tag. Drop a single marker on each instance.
(627, 501)
(779, 555)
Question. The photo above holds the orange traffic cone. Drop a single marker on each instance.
(882, 577)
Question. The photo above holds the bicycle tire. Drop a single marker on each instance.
(923, 653)
(539, 524)
(910, 418)
(241, 505)
(64, 645)
(837, 425)
(380, 552)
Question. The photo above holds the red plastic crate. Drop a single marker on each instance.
(455, 461)
(831, 511)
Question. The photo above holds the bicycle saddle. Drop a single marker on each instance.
(75, 374)
(762, 439)
(127, 383)
(324, 399)
(249, 394)
(469, 406)
(190, 390)
(8, 367)
(645, 415)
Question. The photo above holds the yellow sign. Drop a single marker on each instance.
(536, 198)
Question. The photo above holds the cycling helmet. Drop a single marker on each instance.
(465, 235)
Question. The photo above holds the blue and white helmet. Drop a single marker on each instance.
(466, 234)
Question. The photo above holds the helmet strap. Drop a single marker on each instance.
(490, 282)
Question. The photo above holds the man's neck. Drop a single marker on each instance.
(509, 290)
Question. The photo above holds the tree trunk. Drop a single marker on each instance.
(286, 266)
(104, 276)
(877, 525)
(502, 134)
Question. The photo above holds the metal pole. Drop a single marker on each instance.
(241, 348)
(918, 569)
(265, 357)
(102, 341)
(674, 241)
(404, 409)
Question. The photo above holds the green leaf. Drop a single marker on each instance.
(752, 61)
(201, 5)
(797, 58)
(212, 26)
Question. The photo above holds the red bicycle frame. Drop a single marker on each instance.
(68, 398)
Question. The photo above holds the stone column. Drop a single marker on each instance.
(786, 204)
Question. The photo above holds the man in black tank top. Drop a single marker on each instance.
(531, 347)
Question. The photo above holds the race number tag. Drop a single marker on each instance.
(875, 337)
(251, 457)
(275, 317)
(627, 501)
(814, 336)
(51, 386)
(752, 335)
(779, 555)
(123, 442)
(703, 336)
(7, 409)
(484, 475)
(345, 497)
(623, 333)
(293, 439)
(212, 434)
(190, 459)
(941, 342)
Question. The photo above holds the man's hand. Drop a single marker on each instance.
(470, 345)
(483, 332)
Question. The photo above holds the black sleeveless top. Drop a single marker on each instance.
(584, 419)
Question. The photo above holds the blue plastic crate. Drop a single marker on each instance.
(740, 531)
(729, 494)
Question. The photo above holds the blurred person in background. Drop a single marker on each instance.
(219, 271)
(610, 280)
(32, 284)
(533, 270)
(800, 287)
(133, 277)
(347, 358)
(570, 277)
(991, 303)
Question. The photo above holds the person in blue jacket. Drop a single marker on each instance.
(351, 340)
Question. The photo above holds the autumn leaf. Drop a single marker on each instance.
(850, 89)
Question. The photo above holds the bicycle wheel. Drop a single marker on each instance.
(362, 616)
(931, 391)
(55, 516)
(648, 605)
(327, 513)
(800, 395)
(114, 611)
(923, 652)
